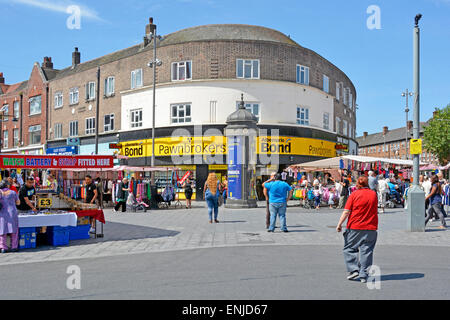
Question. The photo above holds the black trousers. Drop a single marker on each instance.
(123, 204)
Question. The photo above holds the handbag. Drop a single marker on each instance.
(220, 200)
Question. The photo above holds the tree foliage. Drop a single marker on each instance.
(437, 135)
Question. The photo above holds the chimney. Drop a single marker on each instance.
(75, 58)
(2, 79)
(47, 63)
(365, 133)
(385, 130)
(410, 125)
(149, 29)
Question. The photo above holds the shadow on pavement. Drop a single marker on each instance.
(235, 221)
(402, 276)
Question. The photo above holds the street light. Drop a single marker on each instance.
(153, 64)
(406, 94)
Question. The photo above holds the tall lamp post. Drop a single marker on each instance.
(416, 197)
(406, 94)
(153, 64)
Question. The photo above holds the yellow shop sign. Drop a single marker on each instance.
(217, 145)
(296, 146)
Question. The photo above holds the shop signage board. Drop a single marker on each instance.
(56, 162)
(73, 141)
(67, 150)
(415, 146)
(235, 168)
(216, 145)
(45, 203)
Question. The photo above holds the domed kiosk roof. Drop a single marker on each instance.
(227, 32)
(241, 115)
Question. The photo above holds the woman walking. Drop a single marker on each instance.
(435, 199)
(122, 195)
(9, 217)
(360, 237)
(187, 185)
(211, 193)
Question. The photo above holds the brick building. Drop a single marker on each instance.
(24, 108)
(392, 144)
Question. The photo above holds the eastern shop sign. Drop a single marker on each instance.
(217, 145)
(56, 162)
(64, 151)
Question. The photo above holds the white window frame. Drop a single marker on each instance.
(247, 62)
(90, 126)
(5, 112)
(133, 123)
(73, 128)
(16, 111)
(90, 91)
(31, 129)
(346, 96)
(181, 107)
(134, 83)
(338, 91)
(31, 101)
(302, 69)
(110, 86)
(58, 131)
(338, 125)
(74, 93)
(59, 100)
(16, 139)
(5, 139)
(345, 128)
(180, 65)
(326, 84)
(305, 111)
(326, 121)
(109, 127)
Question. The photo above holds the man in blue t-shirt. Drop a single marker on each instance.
(277, 190)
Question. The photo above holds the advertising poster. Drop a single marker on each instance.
(235, 168)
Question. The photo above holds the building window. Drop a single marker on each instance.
(345, 132)
(326, 84)
(252, 107)
(338, 91)
(346, 96)
(58, 100)
(350, 101)
(35, 134)
(109, 86)
(303, 75)
(109, 123)
(181, 113)
(16, 110)
(58, 130)
(182, 71)
(5, 112)
(5, 139)
(90, 126)
(90, 91)
(73, 128)
(136, 78)
(212, 111)
(350, 130)
(326, 121)
(15, 137)
(303, 116)
(35, 105)
(136, 118)
(338, 125)
(247, 69)
(73, 96)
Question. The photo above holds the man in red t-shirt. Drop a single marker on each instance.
(360, 237)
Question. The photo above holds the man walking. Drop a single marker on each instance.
(360, 236)
(344, 192)
(277, 192)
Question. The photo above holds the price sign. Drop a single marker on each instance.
(416, 146)
(45, 202)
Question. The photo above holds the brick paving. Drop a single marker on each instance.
(181, 229)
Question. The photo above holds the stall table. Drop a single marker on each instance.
(96, 214)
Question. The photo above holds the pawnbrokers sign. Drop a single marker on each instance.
(56, 162)
(210, 145)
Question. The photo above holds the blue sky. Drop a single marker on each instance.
(379, 62)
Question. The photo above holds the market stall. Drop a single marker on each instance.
(59, 217)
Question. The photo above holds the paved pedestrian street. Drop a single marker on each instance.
(162, 247)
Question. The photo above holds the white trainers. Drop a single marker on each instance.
(352, 275)
(92, 230)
